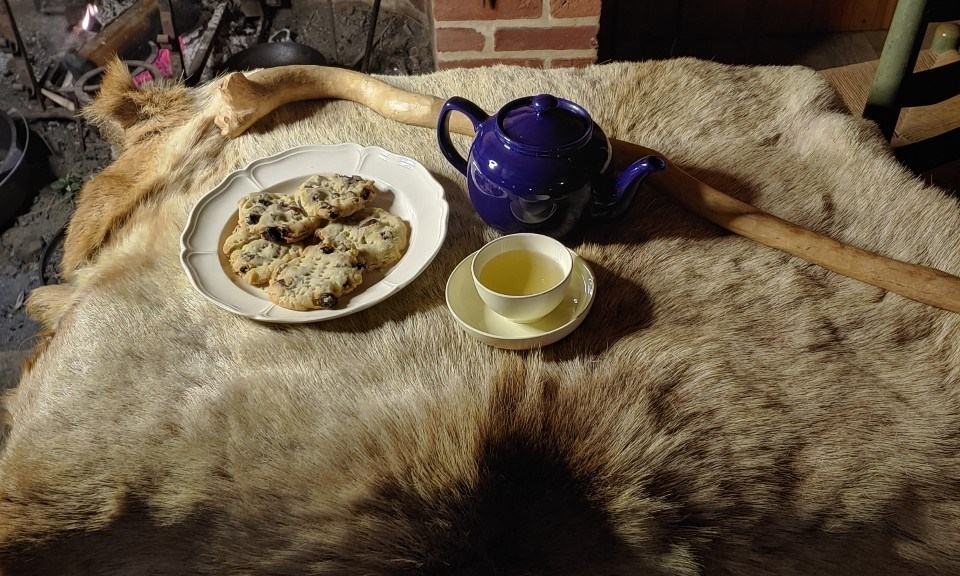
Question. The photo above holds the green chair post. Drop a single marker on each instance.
(897, 61)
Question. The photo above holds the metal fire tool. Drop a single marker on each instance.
(11, 42)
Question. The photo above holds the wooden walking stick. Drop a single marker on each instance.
(247, 98)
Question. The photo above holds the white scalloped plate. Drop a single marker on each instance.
(406, 188)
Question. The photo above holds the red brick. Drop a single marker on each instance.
(528, 62)
(449, 10)
(459, 39)
(574, 8)
(555, 38)
(571, 62)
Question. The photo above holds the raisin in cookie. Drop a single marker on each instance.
(276, 217)
(257, 260)
(335, 196)
(378, 235)
(318, 278)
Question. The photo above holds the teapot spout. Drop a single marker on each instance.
(625, 187)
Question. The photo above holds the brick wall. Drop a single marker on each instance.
(536, 33)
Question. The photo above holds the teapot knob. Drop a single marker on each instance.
(544, 102)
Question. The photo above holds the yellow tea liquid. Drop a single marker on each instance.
(521, 273)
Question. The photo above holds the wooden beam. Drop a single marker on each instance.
(200, 57)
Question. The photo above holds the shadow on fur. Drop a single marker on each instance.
(622, 308)
(538, 504)
(135, 545)
(653, 215)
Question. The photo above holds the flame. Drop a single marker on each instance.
(89, 16)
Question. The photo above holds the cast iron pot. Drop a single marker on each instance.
(272, 54)
(14, 140)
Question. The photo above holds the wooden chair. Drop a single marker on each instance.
(912, 94)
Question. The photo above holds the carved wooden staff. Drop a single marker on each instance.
(247, 98)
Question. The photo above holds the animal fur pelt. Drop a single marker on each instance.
(725, 408)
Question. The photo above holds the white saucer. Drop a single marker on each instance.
(491, 328)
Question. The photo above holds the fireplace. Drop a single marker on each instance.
(193, 38)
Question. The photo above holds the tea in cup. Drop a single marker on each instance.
(522, 277)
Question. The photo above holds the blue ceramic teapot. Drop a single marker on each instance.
(539, 165)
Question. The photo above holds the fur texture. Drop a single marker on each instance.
(136, 123)
(725, 408)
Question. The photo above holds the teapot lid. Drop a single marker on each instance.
(544, 123)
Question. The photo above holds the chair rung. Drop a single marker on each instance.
(931, 86)
(930, 153)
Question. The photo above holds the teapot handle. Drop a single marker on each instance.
(471, 111)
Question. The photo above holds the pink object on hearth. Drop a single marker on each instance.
(161, 63)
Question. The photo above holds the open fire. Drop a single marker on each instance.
(90, 22)
(211, 32)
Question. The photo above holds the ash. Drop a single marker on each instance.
(69, 152)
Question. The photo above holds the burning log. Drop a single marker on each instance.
(132, 30)
(132, 27)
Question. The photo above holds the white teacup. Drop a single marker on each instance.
(522, 277)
